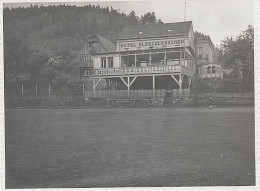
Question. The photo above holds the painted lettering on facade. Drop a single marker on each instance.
(169, 43)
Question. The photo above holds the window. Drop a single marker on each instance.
(81, 57)
(213, 69)
(103, 62)
(93, 46)
(209, 70)
(110, 62)
(86, 72)
(94, 49)
(85, 58)
(200, 51)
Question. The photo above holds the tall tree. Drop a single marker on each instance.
(34, 65)
(200, 35)
(56, 68)
(132, 19)
(238, 54)
(16, 55)
(148, 18)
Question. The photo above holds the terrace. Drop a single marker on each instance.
(157, 70)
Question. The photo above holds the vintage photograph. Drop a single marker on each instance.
(108, 94)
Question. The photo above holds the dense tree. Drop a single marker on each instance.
(54, 70)
(148, 18)
(51, 36)
(159, 21)
(16, 57)
(132, 19)
(34, 65)
(200, 35)
(238, 55)
(217, 55)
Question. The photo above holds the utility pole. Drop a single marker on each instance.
(241, 77)
(240, 69)
(118, 22)
(185, 12)
(196, 74)
(49, 90)
(196, 81)
(184, 39)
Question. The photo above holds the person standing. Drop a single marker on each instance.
(210, 102)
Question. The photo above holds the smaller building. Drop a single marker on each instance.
(206, 67)
(95, 44)
(210, 70)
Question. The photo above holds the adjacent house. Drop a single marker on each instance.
(94, 44)
(206, 67)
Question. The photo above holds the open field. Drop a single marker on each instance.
(130, 147)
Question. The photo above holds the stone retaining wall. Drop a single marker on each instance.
(158, 102)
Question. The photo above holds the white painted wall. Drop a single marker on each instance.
(116, 61)
(204, 74)
(206, 50)
(97, 62)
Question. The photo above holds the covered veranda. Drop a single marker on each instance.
(164, 69)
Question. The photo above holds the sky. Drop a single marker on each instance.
(216, 18)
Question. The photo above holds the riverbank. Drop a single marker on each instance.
(136, 147)
(104, 103)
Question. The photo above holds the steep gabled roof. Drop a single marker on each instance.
(155, 30)
(205, 39)
(107, 46)
(104, 45)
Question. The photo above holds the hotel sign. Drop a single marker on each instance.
(151, 44)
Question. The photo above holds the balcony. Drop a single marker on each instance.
(143, 70)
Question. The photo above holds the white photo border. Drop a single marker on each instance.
(215, 188)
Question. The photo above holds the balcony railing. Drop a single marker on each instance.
(138, 70)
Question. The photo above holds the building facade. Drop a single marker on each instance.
(94, 44)
(206, 67)
(159, 56)
(148, 57)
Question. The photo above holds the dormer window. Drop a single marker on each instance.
(93, 44)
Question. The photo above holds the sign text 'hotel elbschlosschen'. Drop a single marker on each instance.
(154, 44)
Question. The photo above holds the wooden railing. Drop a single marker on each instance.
(136, 94)
(138, 70)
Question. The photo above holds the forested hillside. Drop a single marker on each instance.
(33, 35)
(40, 42)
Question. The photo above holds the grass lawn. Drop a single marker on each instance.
(130, 147)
